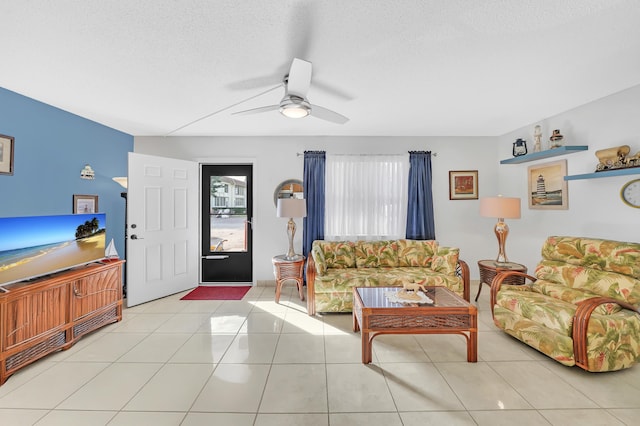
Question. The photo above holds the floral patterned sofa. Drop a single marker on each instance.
(335, 267)
(581, 308)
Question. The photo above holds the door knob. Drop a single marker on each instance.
(135, 237)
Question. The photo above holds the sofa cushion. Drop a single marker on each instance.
(396, 277)
(333, 254)
(375, 254)
(545, 340)
(593, 281)
(340, 280)
(318, 258)
(614, 256)
(343, 280)
(445, 260)
(554, 314)
(416, 252)
(571, 295)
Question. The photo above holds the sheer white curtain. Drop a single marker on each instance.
(366, 196)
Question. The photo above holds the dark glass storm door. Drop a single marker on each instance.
(227, 208)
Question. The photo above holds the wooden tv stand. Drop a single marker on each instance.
(51, 313)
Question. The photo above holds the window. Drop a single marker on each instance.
(219, 202)
(366, 197)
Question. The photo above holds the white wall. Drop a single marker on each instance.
(276, 159)
(595, 206)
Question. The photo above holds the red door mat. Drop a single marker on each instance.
(205, 292)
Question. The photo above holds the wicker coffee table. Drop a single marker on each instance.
(374, 314)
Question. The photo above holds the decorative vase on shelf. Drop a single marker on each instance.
(556, 140)
(519, 147)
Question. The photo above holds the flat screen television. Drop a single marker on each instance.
(33, 246)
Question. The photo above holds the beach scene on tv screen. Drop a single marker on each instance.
(38, 245)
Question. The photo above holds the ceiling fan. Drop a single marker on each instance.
(294, 104)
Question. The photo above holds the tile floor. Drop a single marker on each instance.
(255, 362)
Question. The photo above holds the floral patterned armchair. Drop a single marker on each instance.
(581, 307)
(335, 267)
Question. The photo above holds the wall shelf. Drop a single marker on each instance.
(554, 152)
(605, 173)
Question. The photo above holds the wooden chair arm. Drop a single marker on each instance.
(311, 279)
(463, 271)
(581, 325)
(496, 283)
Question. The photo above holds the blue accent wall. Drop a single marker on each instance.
(51, 148)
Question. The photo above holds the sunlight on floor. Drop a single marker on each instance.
(297, 317)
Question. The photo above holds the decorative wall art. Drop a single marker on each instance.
(85, 203)
(547, 188)
(463, 184)
(6, 154)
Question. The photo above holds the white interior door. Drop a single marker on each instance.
(162, 228)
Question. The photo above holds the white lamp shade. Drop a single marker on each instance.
(291, 207)
(122, 180)
(500, 207)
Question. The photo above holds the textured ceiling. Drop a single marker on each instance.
(425, 67)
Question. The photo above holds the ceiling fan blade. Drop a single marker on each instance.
(328, 115)
(299, 78)
(257, 110)
(256, 82)
(223, 109)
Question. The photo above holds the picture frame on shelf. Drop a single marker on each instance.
(547, 189)
(463, 184)
(6, 154)
(85, 203)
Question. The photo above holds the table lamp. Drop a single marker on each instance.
(291, 208)
(500, 207)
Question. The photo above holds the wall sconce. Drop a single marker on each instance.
(122, 180)
(87, 173)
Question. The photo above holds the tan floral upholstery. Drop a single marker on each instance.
(446, 260)
(376, 254)
(333, 254)
(416, 253)
(575, 273)
(336, 267)
(604, 255)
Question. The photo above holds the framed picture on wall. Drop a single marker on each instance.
(85, 203)
(6, 154)
(463, 184)
(547, 188)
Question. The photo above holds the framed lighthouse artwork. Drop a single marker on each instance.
(547, 188)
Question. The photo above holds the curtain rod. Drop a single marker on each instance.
(299, 154)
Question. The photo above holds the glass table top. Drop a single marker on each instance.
(375, 297)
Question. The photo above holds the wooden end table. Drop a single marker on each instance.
(286, 269)
(490, 268)
(374, 314)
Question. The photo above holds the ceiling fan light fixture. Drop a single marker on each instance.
(294, 111)
(294, 107)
